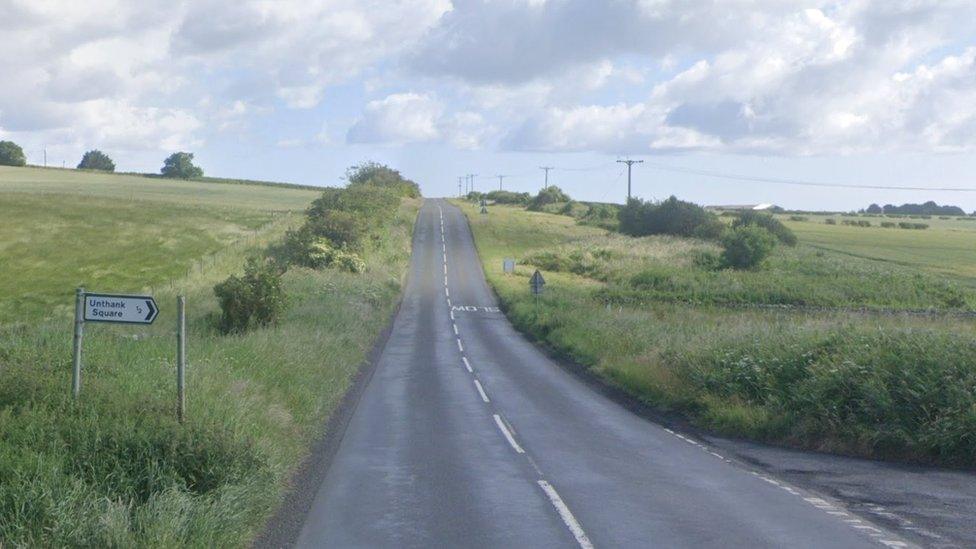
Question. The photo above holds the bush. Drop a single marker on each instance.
(179, 165)
(909, 225)
(373, 204)
(747, 246)
(343, 228)
(508, 197)
(96, 160)
(830, 221)
(672, 216)
(255, 299)
(378, 175)
(549, 195)
(799, 218)
(11, 154)
(324, 254)
(889, 224)
(768, 222)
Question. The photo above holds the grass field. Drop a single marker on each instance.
(63, 229)
(898, 387)
(116, 469)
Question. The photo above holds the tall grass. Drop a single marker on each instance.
(891, 387)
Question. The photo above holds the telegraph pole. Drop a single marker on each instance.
(459, 187)
(629, 163)
(500, 178)
(472, 176)
(546, 168)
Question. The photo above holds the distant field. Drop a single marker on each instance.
(62, 229)
(946, 247)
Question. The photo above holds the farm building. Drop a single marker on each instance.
(744, 207)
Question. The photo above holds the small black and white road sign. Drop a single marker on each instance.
(125, 309)
(537, 282)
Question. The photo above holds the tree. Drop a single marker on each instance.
(671, 216)
(180, 165)
(96, 160)
(874, 209)
(11, 154)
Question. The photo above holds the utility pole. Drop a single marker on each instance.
(45, 157)
(459, 187)
(546, 168)
(500, 178)
(629, 163)
(472, 176)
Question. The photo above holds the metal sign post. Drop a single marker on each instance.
(79, 332)
(181, 358)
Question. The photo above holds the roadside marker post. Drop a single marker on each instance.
(508, 265)
(484, 206)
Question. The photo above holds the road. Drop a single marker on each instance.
(469, 436)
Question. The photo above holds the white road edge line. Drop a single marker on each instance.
(566, 515)
(447, 292)
(481, 391)
(455, 329)
(508, 435)
(460, 348)
(467, 364)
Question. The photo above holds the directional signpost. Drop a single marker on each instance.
(536, 283)
(122, 309)
(484, 206)
(126, 309)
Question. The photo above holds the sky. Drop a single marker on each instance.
(725, 101)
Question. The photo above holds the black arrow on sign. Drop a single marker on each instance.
(152, 310)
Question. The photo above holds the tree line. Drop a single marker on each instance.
(178, 165)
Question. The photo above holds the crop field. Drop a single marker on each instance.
(115, 468)
(808, 351)
(946, 247)
(63, 229)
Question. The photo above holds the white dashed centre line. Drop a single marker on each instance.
(455, 329)
(467, 364)
(481, 391)
(566, 515)
(460, 347)
(508, 435)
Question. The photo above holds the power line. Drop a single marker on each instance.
(800, 182)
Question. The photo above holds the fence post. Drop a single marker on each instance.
(181, 358)
(79, 332)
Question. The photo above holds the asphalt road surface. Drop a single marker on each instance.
(468, 436)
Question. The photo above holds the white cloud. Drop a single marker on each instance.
(134, 73)
(404, 118)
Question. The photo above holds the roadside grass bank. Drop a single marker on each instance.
(900, 388)
(116, 469)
